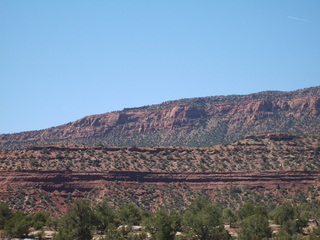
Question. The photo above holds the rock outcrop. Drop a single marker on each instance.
(186, 122)
(85, 181)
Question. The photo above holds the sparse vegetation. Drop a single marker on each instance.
(300, 153)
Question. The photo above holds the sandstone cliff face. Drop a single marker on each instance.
(33, 191)
(85, 181)
(200, 121)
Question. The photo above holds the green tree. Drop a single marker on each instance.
(39, 220)
(301, 218)
(112, 233)
(261, 210)
(176, 220)
(53, 223)
(292, 219)
(255, 227)
(5, 214)
(105, 214)
(247, 210)
(294, 226)
(229, 217)
(65, 232)
(282, 213)
(17, 226)
(161, 225)
(202, 221)
(78, 223)
(130, 214)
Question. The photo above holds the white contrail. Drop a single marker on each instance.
(299, 19)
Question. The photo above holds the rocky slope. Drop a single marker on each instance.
(269, 167)
(252, 153)
(85, 181)
(186, 122)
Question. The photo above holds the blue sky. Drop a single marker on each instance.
(62, 60)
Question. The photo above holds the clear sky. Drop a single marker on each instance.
(62, 60)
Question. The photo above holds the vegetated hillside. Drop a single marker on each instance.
(252, 153)
(186, 122)
(268, 168)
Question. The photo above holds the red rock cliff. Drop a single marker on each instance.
(187, 122)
